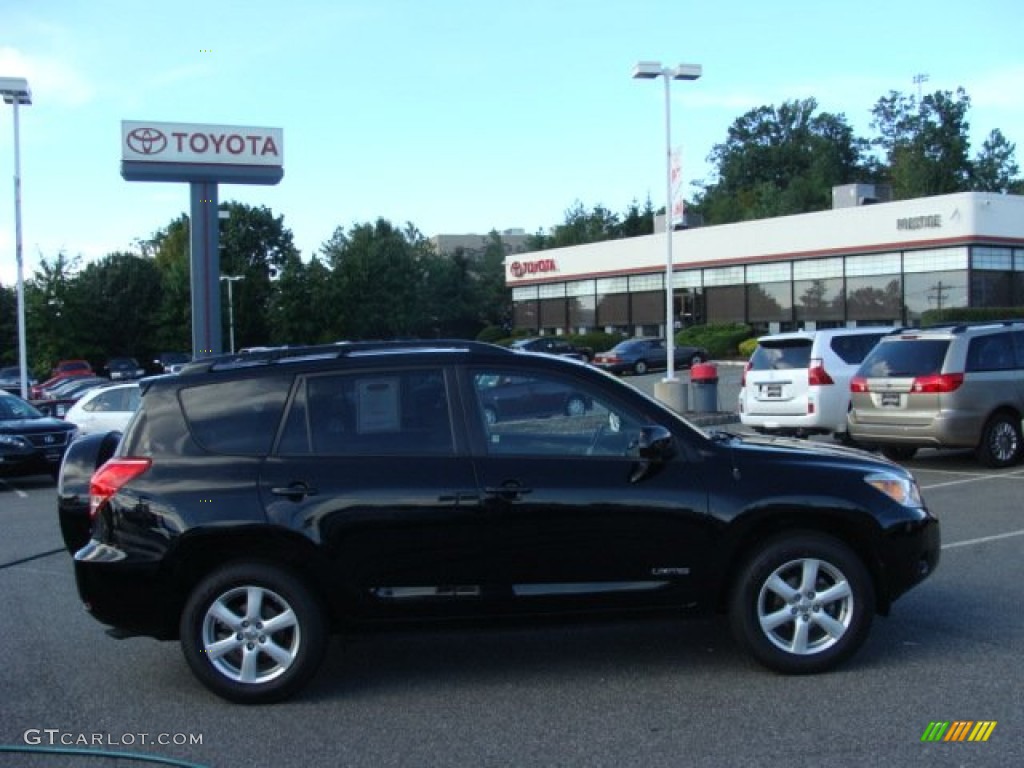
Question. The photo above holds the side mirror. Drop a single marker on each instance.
(656, 444)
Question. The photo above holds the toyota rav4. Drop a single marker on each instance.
(257, 503)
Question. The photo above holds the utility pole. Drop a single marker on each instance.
(937, 293)
(918, 79)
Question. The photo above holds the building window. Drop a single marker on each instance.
(552, 314)
(691, 278)
(817, 269)
(939, 259)
(1000, 259)
(873, 264)
(648, 308)
(820, 300)
(613, 310)
(581, 311)
(646, 282)
(770, 302)
(935, 291)
(525, 315)
(769, 273)
(876, 298)
(725, 304)
(723, 276)
(551, 290)
(991, 289)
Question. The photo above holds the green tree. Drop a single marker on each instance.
(8, 325)
(169, 250)
(994, 169)
(781, 160)
(49, 326)
(256, 245)
(925, 143)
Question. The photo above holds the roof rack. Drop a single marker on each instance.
(271, 355)
(960, 327)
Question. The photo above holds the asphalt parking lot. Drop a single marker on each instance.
(657, 693)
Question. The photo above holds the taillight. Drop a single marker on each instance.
(743, 378)
(858, 384)
(109, 478)
(817, 375)
(937, 383)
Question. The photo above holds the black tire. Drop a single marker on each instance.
(899, 452)
(283, 657)
(1001, 442)
(640, 367)
(813, 634)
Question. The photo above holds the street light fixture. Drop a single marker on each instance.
(231, 306)
(15, 91)
(649, 70)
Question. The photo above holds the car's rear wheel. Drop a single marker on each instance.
(640, 367)
(803, 603)
(1001, 442)
(252, 633)
(899, 452)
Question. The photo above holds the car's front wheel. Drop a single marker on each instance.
(640, 367)
(899, 452)
(252, 633)
(1001, 442)
(803, 603)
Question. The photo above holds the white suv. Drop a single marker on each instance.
(799, 383)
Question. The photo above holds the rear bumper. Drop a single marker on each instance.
(129, 596)
(943, 431)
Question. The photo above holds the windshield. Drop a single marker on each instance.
(15, 408)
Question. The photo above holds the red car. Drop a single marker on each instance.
(65, 369)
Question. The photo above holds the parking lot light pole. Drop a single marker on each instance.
(15, 91)
(230, 279)
(649, 70)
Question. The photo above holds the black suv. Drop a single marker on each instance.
(256, 503)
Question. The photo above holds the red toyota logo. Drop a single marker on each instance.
(146, 141)
(521, 269)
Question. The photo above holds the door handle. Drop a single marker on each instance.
(459, 497)
(295, 491)
(510, 491)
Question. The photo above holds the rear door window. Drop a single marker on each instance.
(854, 348)
(908, 358)
(781, 355)
(236, 417)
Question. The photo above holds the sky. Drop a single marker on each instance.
(457, 116)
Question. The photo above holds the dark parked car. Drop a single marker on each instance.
(30, 443)
(169, 362)
(504, 398)
(642, 355)
(10, 379)
(122, 368)
(256, 503)
(552, 345)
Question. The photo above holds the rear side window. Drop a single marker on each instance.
(781, 355)
(854, 348)
(905, 358)
(991, 353)
(236, 417)
(378, 413)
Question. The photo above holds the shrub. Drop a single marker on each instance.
(967, 315)
(747, 346)
(492, 334)
(719, 340)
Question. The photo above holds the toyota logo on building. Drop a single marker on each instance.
(146, 141)
(524, 268)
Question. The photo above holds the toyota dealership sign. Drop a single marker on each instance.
(187, 143)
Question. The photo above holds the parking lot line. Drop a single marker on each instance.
(982, 540)
(20, 493)
(972, 477)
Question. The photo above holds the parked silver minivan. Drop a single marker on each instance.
(950, 387)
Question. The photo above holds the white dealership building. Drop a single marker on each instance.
(857, 264)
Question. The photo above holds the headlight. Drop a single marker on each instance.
(900, 488)
(14, 441)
